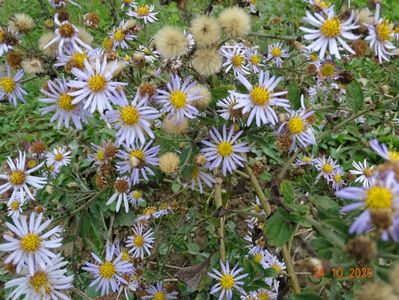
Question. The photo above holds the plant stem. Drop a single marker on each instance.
(219, 204)
(258, 189)
(290, 269)
(330, 235)
(95, 196)
(275, 37)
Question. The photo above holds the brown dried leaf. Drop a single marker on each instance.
(192, 275)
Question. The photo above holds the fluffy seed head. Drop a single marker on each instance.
(207, 61)
(375, 290)
(206, 96)
(44, 40)
(169, 162)
(32, 66)
(171, 126)
(171, 42)
(85, 36)
(205, 31)
(21, 23)
(235, 22)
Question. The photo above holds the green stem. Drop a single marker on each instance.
(328, 234)
(290, 270)
(259, 191)
(219, 204)
(272, 36)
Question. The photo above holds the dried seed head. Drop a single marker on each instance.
(362, 248)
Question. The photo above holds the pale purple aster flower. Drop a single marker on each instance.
(140, 242)
(255, 59)
(365, 172)
(60, 156)
(144, 12)
(122, 190)
(326, 167)
(10, 87)
(235, 59)
(198, 176)
(276, 53)
(159, 292)
(383, 151)
(337, 180)
(120, 36)
(227, 110)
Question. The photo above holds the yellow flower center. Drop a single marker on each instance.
(255, 59)
(260, 95)
(2, 36)
(368, 172)
(178, 99)
(65, 102)
(107, 44)
(136, 194)
(31, 163)
(97, 83)
(137, 154)
(17, 177)
(130, 115)
(138, 241)
(227, 281)
(14, 205)
(125, 255)
(8, 84)
(393, 156)
(30, 242)
(79, 60)
(322, 4)
(100, 155)
(276, 52)
(66, 30)
(379, 198)
(296, 125)
(327, 70)
(107, 270)
(38, 281)
(277, 268)
(225, 149)
(313, 57)
(143, 10)
(327, 168)
(58, 157)
(306, 159)
(150, 210)
(237, 60)
(258, 257)
(262, 296)
(331, 28)
(383, 31)
(119, 35)
(338, 178)
(159, 296)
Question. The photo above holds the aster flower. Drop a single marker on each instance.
(19, 178)
(198, 176)
(137, 159)
(150, 56)
(120, 35)
(235, 59)
(47, 282)
(254, 59)
(140, 242)
(380, 37)
(381, 195)
(61, 3)
(14, 207)
(304, 161)
(271, 261)
(227, 281)
(135, 197)
(122, 189)
(94, 86)
(10, 87)
(383, 151)
(364, 171)
(75, 59)
(227, 110)
(258, 103)
(337, 181)
(177, 101)
(133, 120)
(326, 69)
(276, 53)
(103, 153)
(329, 30)
(67, 37)
(128, 4)
(326, 167)
(224, 150)
(320, 5)
(4, 44)
(29, 246)
(159, 292)
(144, 12)
(61, 102)
(107, 272)
(59, 157)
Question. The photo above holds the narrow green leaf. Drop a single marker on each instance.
(354, 95)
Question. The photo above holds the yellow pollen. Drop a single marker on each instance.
(159, 296)
(137, 154)
(125, 255)
(66, 30)
(65, 102)
(260, 95)
(313, 57)
(58, 157)
(136, 194)
(107, 270)
(79, 60)
(119, 35)
(368, 172)
(327, 70)
(100, 155)
(138, 241)
(322, 4)
(227, 281)
(379, 198)
(30, 242)
(276, 52)
(178, 99)
(14, 205)
(306, 159)
(338, 178)
(150, 210)
(17, 177)
(225, 149)
(237, 60)
(2, 36)
(262, 296)
(255, 59)
(327, 168)
(393, 156)
(383, 31)
(39, 281)
(127, 1)
(8, 84)
(296, 125)
(276, 268)
(97, 83)
(31, 163)
(108, 44)
(130, 115)
(331, 28)
(143, 10)
(258, 257)
(258, 209)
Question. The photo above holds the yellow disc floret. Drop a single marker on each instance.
(393, 156)
(143, 10)
(159, 296)
(225, 149)
(260, 95)
(296, 125)
(327, 168)
(65, 102)
(138, 241)
(30, 242)
(378, 197)
(327, 70)
(227, 281)
(17, 177)
(79, 60)
(107, 270)
(8, 84)
(237, 60)
(97, 83)
(178, 99)
(39, 282)
(276, 52)
(119, 35)
(331, 28)
(383, 31)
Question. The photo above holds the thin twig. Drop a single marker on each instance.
(259, 191)
(290, 270)
(219, 204)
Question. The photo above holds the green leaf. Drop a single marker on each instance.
(277, 230)
(294, 95)
(287, 191)
(307, 296)
(354, 95)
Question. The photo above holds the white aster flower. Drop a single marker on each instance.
(10, 87)
(29, 246)
(383, 151)
(224, 150)
(319, 4)
(61, 102)
(122, 189)
(227, 110)
(305, 160)
(159, 292)
(107, 273)
(150, 56)
(235, 59)
(128, 4)
(94, 86)
(198, 176)
(120, 36)
(177, 101)
(19, 178)
(14, 207)
(326, 69)
(271, 261)
(76, 59)
(258, 103)
(364, 171)
(137, 160)
(329, 30)
(255, 59)
(140, 242)
(227, 281)
(326, 167)
(60, 156)
(48, 282)
(4, 44)
(144, 12)
(61, 3)
(135, 197)
(133, 120)
(337, 180)
(276, 53)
